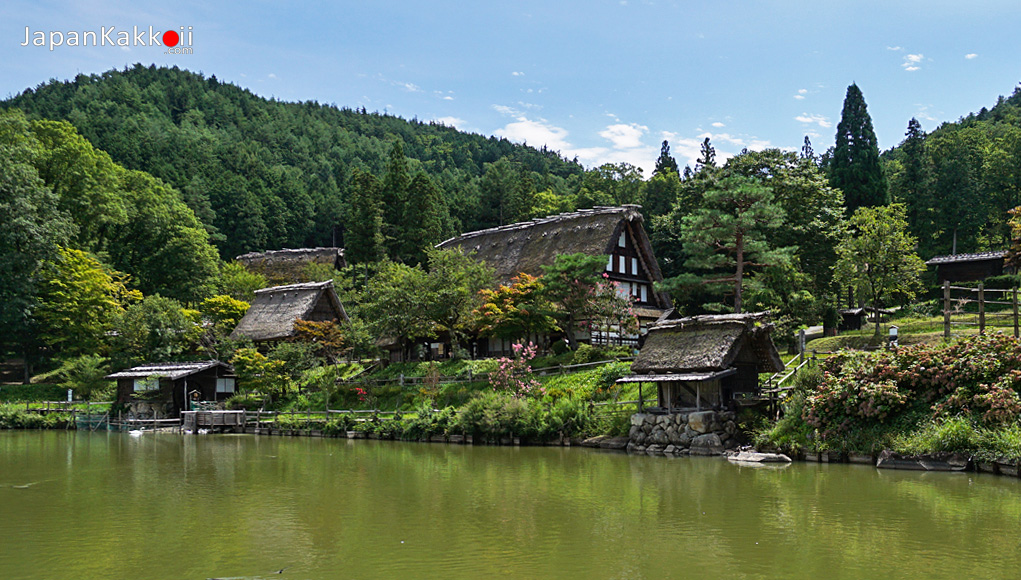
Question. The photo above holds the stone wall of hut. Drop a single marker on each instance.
(694, 433)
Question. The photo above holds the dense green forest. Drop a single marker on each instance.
(264, 174)
(961, 180)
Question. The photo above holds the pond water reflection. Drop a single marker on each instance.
(81, 505)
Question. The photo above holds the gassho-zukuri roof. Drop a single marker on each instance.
(274, 310)
(976, 257)
(171, 370)
(705, 345)
(289, 263)
(527, 246)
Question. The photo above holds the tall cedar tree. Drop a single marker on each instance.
(363, 242)
(425, 213)
(666, 164)
(730, 232)
(854, 167)
(706, 157)
(806, 150)
(395, 200)
(914, 191)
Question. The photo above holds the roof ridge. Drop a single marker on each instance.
(563, 216)
(298, 286)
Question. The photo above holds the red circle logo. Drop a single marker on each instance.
(170, 38)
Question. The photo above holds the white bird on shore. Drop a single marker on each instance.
(135, 432)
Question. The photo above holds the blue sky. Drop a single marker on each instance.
(606, 81)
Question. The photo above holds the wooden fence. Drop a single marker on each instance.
(979, 307)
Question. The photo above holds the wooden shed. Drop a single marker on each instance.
(169, 387)
(968, 267)
(704, 361)
(274, 311)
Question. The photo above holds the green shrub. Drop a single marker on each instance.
(252, 401)
(957, 435)
(585, 353)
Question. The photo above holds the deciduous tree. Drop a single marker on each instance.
(877, 258)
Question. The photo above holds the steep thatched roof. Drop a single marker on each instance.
(526, 246)
(274, 310)
(288, 265)
(171, 370)
(706, 344)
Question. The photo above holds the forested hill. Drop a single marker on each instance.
(962, 178)
(265, 174)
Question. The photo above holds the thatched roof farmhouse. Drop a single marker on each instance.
(705, 360)
(274, 311)
(613, 231)
(289, 265)
(616, 232)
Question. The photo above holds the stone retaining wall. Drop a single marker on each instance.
(695, 433)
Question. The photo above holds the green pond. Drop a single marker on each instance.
(113, 506)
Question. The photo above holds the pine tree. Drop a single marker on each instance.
(854, 168)
(364, 239)
(666, 164)
(731, 232)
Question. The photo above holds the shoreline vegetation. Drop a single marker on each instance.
(937, 399)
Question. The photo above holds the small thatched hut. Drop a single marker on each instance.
(274, 311)
(703, 361)
(289, 265)
(968, 267)
(167, 388)
(616, 232)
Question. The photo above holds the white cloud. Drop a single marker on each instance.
(970, 56)
(518, 74)
(451, 121)
(448, 98)
(536, 133)
(505, 110)
(912, 61)
(814, 119)
(924, 114)
(272, 76)
(801, 94)
(893, 48)
(624, 136)
(718, 125)
(410, 87)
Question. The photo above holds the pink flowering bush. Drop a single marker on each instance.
(977, 377)
(514, 375)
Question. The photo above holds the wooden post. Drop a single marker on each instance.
(981, 309)
(946, 309)
(641, 400)
(1013, 302)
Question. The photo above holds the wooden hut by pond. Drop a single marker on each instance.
(274, 311)
(614, 232)
(284, 266)
(704, 361)
(168, 388)
(968, 267)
